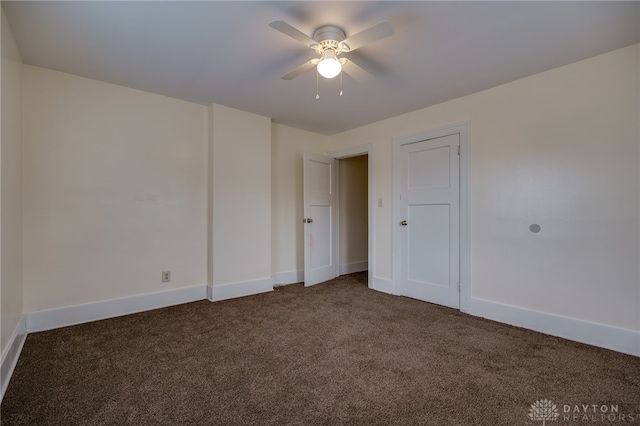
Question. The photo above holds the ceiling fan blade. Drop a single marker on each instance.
(299, 70)
(355, 71)
(377, 32)
(292, 32)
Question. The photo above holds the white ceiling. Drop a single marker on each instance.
(225, 52)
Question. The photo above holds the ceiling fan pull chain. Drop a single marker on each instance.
(317, 78)
(340, 82)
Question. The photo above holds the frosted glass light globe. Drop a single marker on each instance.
(329, 66)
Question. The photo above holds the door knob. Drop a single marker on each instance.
(403, 223)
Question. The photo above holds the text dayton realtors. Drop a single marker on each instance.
(594, 413)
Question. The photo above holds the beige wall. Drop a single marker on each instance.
(241, 196)
(560, 149)
(11, 284)
(116, 185)
(353, 209)
(115, 191)
(287, 239)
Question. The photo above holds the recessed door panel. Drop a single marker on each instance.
(428, 243)
(320, 242)
(428, 168)
(319, 176)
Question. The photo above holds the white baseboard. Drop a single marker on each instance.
(79, 314)
(209, 293)
(240, 289)
(11, 354)
(288, 277)
(295, 277)
(604, 336)
(353, 267)
(384, 285)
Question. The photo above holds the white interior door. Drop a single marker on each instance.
(319, 219)
(429, 213)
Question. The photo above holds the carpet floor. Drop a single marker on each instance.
(335, 353)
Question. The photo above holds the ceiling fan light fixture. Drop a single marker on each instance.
(329, 65)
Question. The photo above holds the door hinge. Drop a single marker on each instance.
(458, 285)
(458, 149)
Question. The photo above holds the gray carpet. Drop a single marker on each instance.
(336, 353)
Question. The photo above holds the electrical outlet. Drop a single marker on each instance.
(166, 276)
(380, 204)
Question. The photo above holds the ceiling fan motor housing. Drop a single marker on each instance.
(330, 37)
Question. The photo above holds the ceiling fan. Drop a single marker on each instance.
(330, 41)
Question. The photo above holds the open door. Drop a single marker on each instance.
(319, 218)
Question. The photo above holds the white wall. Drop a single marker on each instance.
(11, 282)
(115, 191)
(287, 239)
(560, 149)
(353, 209)
(241, 199)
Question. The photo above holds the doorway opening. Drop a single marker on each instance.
(365, 152)
(353, 216)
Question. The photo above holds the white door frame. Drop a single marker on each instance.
(365, 149)
(463, 130)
